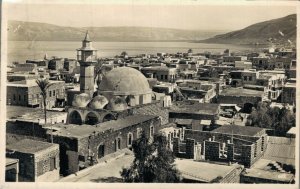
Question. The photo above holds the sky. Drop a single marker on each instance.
(191, 16)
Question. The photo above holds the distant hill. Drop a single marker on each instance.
(277, 30)
(27, 31)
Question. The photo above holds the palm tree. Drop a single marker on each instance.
(44, 84)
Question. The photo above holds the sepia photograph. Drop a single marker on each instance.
(112, 93)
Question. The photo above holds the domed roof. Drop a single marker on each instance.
(124, 81)
(117, 104)
(98, 102)
(81, 100)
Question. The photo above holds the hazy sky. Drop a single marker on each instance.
(184, 16)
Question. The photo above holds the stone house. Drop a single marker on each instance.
(38, 161)
(82, 145)
(27, 93)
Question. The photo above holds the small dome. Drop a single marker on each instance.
(117, 104)
(98, 102)
(81, 100)
(124, 81)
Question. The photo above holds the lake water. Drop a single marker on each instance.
(22, 50)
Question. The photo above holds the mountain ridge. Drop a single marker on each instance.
(28, 31)
(278, 30)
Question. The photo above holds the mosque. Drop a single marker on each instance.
(107, 116)
(119, 90)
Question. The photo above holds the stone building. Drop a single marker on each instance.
(288, 94)
(27, 93)
(162, 73)
(38, 161)
(82, 145)
(244, 145)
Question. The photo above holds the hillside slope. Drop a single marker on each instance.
(277, 30)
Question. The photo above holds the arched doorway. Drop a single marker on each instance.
(91, 119)
(75, 118)
(101, 151)
(247, 108)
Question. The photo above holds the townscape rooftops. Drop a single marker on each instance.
(203, 171)
(29, 146)
(241, 92)
(238, 130)
(194, 107)
(81, 131)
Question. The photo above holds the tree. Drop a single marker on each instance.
(124, 53)
(154, 162)
(44, 84)
(278, 119)
(190, 51)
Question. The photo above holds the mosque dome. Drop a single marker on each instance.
(81, 100)
(98, 102)
(124, 81)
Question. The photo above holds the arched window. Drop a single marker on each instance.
(129, 139)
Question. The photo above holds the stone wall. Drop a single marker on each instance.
(108, 138)
(25, 128)
(212, 150)
(87, 147)
(43, 170)
(244, 149)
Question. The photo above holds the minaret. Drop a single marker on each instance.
(87, 57)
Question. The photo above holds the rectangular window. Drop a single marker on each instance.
(19, 97)
(24, 97)
(245, 78)
(250, 78)
(166, 77)
(53, 92)
(14, 97)
(162, 77)
(151, 131)
(50, 93)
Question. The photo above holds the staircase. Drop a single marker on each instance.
(277, 167)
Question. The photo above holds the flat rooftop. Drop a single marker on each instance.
(281, 149)
(81, 131)
(261, 169)
(21, 113)
(238, 130)
(241, 92)
(29, 146)
(203, 171)
(194, 107)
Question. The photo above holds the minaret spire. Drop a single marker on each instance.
(87, 36)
